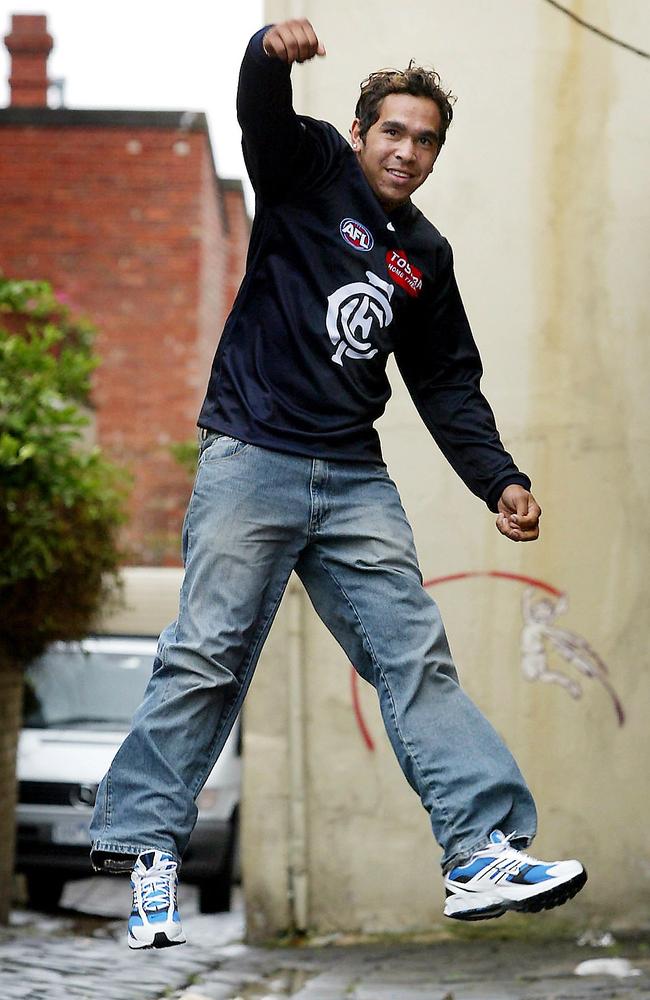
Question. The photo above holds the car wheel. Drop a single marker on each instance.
(215, 893)
(44, 890)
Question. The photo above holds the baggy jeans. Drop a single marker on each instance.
(254, 516)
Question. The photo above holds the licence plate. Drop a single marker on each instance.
(75, 832)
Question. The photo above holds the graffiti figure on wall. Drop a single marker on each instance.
(540, 631)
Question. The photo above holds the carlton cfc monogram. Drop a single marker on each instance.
(351, 312)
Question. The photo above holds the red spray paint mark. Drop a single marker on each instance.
(434, 582)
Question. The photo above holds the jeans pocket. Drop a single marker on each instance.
(219, 446)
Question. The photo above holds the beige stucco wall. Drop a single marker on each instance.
(542, 191)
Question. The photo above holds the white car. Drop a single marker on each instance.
(80, 698)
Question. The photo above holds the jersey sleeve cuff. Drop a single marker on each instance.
(255, 47)
(514, 479)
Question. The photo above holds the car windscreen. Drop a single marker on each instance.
(71, 686)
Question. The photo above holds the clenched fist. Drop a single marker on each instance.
(292, 41)
(519, 514)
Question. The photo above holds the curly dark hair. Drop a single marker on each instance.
(415, 80)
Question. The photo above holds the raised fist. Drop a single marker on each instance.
(292, 41)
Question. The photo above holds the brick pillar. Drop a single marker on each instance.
(29, 45)
(11, 689)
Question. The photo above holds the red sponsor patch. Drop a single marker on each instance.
(403, 273)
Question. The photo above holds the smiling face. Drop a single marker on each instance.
(399, 150)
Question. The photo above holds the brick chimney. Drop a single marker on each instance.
(29, 45)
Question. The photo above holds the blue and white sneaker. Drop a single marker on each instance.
(499, 878)
(154, 921)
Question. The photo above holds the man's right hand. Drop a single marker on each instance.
(292, 41)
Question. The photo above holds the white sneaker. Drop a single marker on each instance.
(155, 921)
(499, 878)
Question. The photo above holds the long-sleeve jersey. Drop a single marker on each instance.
(334, 283)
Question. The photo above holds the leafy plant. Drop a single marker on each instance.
(61, 501)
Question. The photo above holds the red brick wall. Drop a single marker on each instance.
(128, 223)
(239, 227)
(213, 276)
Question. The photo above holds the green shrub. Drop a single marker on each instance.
(61, 502)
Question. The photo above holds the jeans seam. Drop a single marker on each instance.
(187, 556)
(313, 524)
(243, 684)
(408, 749)
(108, 812)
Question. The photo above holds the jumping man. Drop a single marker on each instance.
(343, 270)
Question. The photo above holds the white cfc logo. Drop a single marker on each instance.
(351, 312)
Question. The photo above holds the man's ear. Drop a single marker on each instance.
(355, 135)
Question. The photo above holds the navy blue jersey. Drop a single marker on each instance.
(333, 285)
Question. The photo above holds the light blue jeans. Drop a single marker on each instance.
(254, 516)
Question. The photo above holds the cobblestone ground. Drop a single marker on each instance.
(444, 970)
(81, 953)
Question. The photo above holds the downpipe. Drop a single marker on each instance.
(298, 876)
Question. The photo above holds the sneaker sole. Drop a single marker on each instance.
(554, 897)
(160, 940)
(543, 901)
(473, 915)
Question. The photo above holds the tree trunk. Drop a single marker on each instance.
(11, 691)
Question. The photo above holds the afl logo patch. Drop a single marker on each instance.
(357, 235)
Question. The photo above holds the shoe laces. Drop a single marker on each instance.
(506, 845)
(157, 887)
